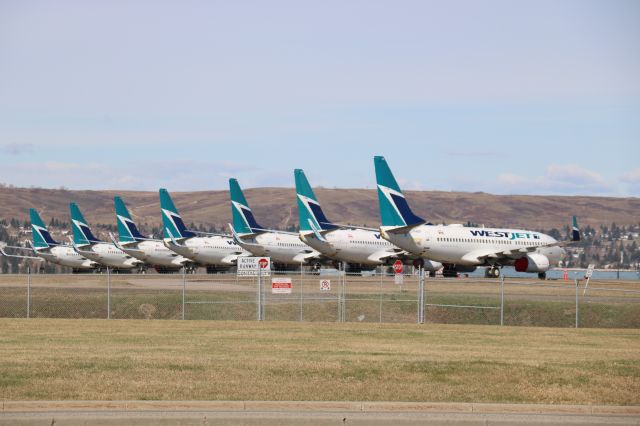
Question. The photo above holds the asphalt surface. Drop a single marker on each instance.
(307, 413)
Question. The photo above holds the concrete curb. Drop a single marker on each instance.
(317, 406)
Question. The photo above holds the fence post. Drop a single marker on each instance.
(577, 304)
(108, 293)
(184, 285)
(382, 267)
(501, 299)
(28, 291)
(420, 296)
(259, 298)
(301, 294)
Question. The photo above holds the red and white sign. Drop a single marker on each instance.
(325, 285)
(281, 285)
(398, 266)
(254, 266)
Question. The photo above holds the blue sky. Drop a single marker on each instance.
(539, 97)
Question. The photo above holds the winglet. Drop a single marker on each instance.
(575, 231)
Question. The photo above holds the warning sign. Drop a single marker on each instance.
(398, 267)
(249, 266)
(281, 286)
(589, 270)
(399, 279)
(325, 285)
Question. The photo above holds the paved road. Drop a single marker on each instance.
(201, 413)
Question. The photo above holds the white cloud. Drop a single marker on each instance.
(568, 179)
(16, 148)
(632, 181)
(177, 175)
(632, 177)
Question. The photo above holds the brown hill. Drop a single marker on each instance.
(275, 207)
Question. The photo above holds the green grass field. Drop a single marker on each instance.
(58, 359)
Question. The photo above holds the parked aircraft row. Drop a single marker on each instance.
(402, 235)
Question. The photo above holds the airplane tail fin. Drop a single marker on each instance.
(575, 231)
(127, 229)
(172, 222)
(82, 234)
(41, 236)
(394, 210)
(243, 220)
(310, 214)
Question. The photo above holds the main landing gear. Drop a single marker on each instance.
(492, 272)
(542, 275)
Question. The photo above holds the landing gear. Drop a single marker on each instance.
(492, 272)
(542, 275)
(449, 272)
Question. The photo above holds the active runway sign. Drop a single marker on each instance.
(252, 266)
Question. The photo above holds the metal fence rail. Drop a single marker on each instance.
(342, 298)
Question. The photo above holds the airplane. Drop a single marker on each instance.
(87, 245)
(148, 250)
(45, 247)
(211, 250)
(460, 248)
(283, 247)
(355, 245)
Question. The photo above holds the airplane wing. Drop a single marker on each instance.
(307, 255)
(231, 259)
(4, 253)
(382, 255)
(478, 257)
(341, 225)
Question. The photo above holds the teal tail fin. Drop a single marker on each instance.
(243, 220)
(310, 212)
(171, 220)
(127, 229)
(81, 231)
(394, 210)
(41, 236)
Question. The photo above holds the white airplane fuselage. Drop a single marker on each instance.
(352, 246)
(66, 256)
(281, 247)
(109, 255)
(155, 253)
(211, 250)
(456, 244)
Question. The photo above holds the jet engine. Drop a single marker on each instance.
(533, 262)
(427, 265)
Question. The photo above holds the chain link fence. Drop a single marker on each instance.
(334, 297)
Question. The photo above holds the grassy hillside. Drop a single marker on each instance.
(275, 207)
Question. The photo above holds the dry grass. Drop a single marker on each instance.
(184, 360)
(275, 207)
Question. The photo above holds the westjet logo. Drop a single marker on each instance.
(504, 234)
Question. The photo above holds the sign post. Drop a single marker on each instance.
(398, 268)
